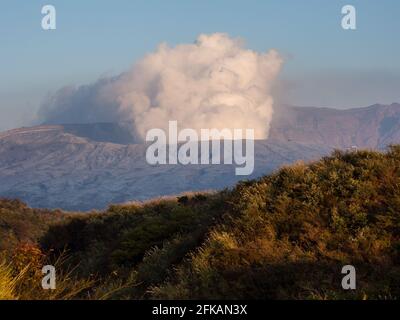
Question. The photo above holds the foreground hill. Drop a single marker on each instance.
(284, 236)
(21, 224)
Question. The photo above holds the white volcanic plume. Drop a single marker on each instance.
(213, 83)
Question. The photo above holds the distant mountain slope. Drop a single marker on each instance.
(375, 126)
(99, 132)
(83, 167)
(48, 167)
(372, 127)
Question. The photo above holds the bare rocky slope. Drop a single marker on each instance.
(89, 166)
(374, 127)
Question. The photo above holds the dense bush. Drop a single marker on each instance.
(289, 234)
(19, 223)
(284, 236)
(119, 238)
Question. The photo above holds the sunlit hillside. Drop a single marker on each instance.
(284, 236)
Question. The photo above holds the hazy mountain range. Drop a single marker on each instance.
(88, 166)
(375, 126)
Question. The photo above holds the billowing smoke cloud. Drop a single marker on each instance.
(213, 83)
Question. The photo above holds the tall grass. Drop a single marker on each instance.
(7, 282)
(24, 282)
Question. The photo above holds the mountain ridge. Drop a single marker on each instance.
(83, 167)
(375, 126)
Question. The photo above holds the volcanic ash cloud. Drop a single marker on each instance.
(212, 83)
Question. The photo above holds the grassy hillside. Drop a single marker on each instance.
(285, 236)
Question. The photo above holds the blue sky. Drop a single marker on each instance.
(324, 64)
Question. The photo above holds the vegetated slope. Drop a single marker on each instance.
(288, 235)
(21, 224)
(284, 236)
